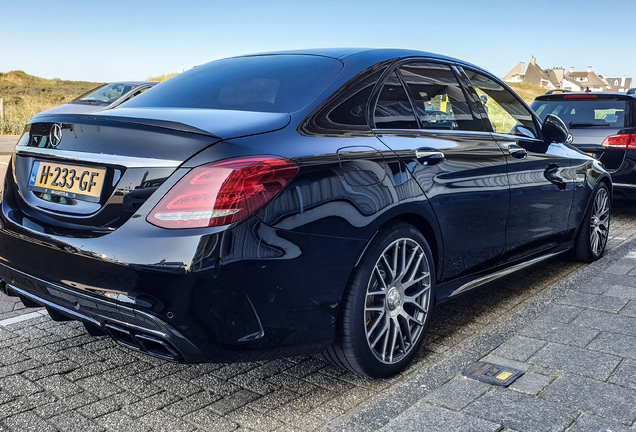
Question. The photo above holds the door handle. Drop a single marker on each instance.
(429, 156)
(517, 152)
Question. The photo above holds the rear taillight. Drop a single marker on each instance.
(627, 141)
(221, 193)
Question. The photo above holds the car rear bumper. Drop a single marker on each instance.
(128, 326)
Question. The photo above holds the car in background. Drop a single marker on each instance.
(295, 202)
(602, 124)
(104, 97)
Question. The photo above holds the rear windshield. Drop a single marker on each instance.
(584, 112)
(274, 83)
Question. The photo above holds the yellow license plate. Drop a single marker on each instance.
(71, 181)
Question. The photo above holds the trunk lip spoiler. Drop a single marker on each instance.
(164, 124)
(100, 158)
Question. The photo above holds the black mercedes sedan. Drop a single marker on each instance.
(288, 203)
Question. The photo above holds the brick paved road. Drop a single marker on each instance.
(55, 377)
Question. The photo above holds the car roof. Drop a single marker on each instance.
(378, 54)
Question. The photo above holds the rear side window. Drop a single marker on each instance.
(438, 98)
(581, 113)
(272, 83)
(393, 109)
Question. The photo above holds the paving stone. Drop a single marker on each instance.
(177, 386)
(251, 419)
(558, 332)
(592, 396)
(216, 385)
(295, 419)
(120, 422)
(16, 368)
(618, 344)
(99, 386)
(562, 313)
(273, 400)
(519, 348)
(457, 393)
(16, 385)
(305, 368)
(28, 422)
(9, 356)
(613, 279)
(232, 402)
(580, 361)
(191, 403)
(621, 292)
(59, 386)
(327, 382)
(626, 374)
(141, 388)
(161, 422)
(594, 424)
(531, 383)
(430, 418)
(599, 302)
(502, 361)
(630, 309)
(74, 422)
(25, 403)
(36, 373)
(151, 403)
(592, 287)
(521, 412)
(607, 322)
(254, 384)
(621, 267)
(291, 383)
(207, 420)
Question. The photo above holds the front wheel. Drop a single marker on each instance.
(387, 304)
(592, 238)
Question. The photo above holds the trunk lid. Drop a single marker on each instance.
(88, 174)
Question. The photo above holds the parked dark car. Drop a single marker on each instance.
(602, 124)
(104, 97)
(298, 202)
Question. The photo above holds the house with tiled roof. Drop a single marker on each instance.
(557, 78)
(578, 81)
(619, 84)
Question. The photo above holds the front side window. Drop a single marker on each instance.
(439, 100)
(506, 113)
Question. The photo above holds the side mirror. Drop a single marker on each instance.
(554, 130)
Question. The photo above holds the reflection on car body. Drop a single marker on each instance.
(289, 203)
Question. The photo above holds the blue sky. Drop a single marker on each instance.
(111, 40)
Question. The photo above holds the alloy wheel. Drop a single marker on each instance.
(397, 301)
(599, 222)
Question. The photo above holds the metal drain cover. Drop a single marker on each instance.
(492, 374)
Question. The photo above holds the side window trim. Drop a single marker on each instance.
(409, 96)
(477, 109)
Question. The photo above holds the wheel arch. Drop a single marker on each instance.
(428, 230)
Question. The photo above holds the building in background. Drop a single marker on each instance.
(557, 78)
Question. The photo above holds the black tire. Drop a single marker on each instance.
(387, 306)
(592, 237)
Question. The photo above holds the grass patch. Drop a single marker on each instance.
(26, 95)
(162, 78)
(527, 92)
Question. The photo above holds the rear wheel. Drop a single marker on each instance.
(592, 238)
(387, 305)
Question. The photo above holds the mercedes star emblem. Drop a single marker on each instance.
(55, 137)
